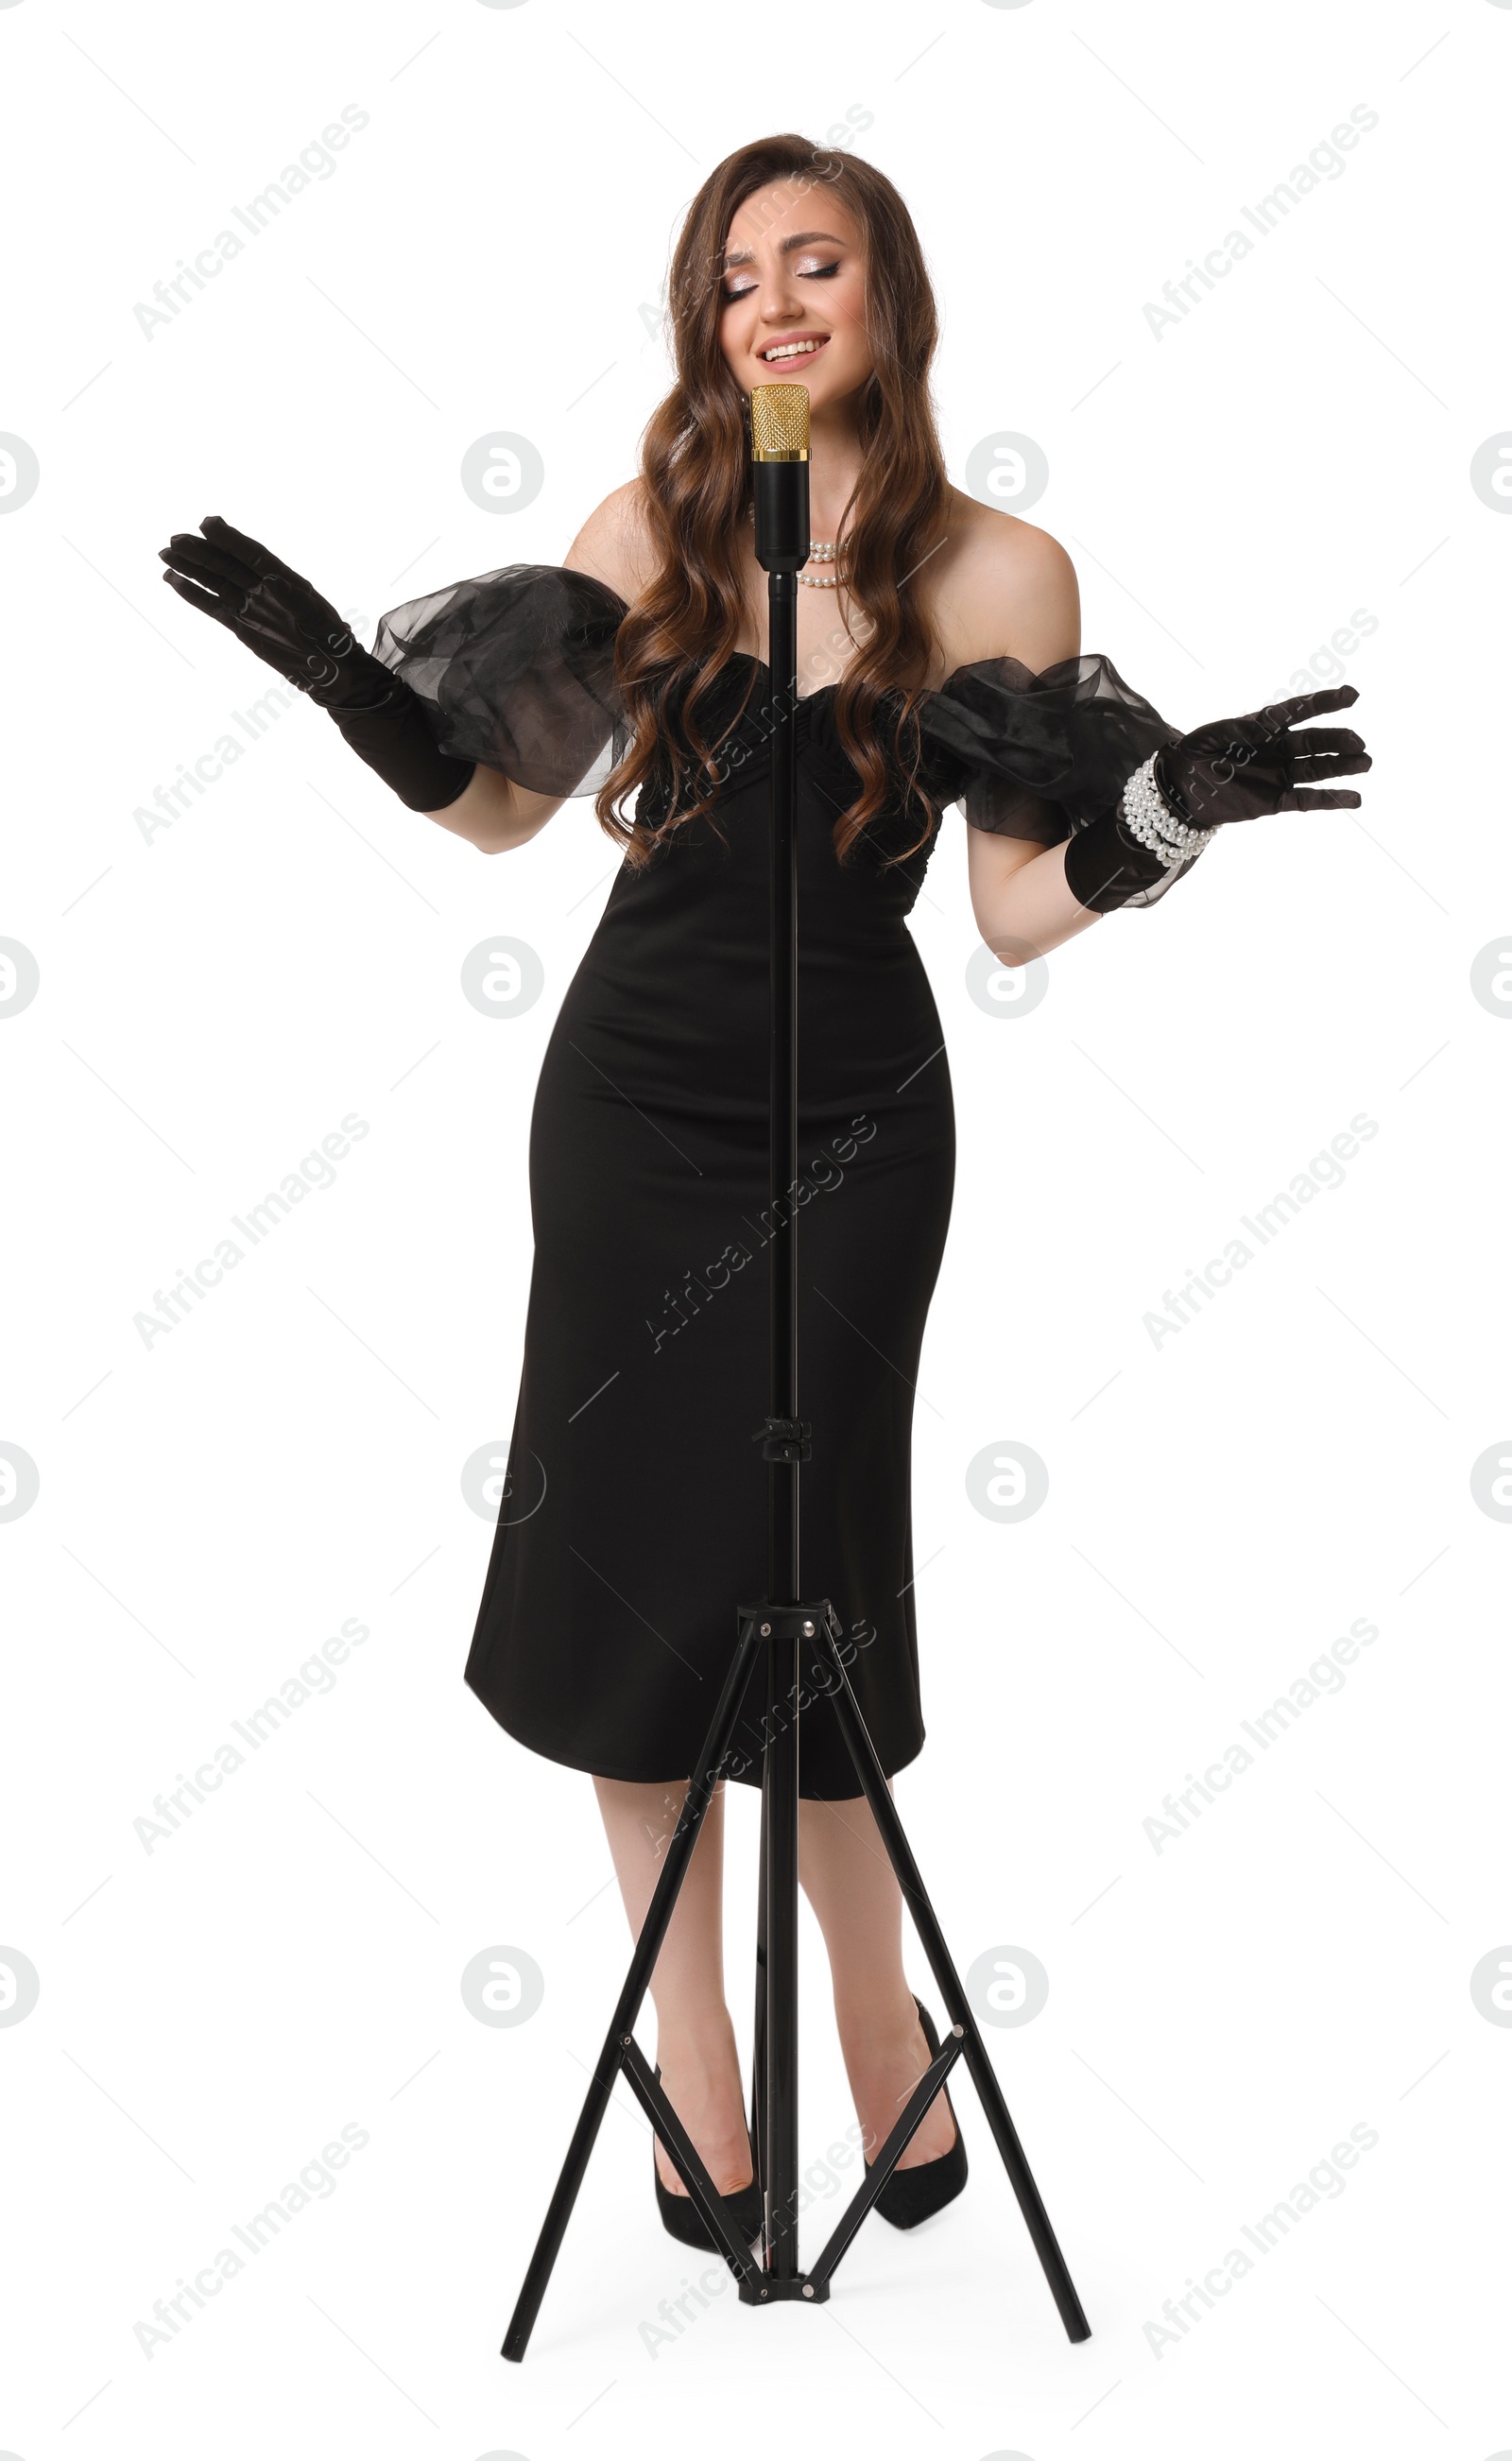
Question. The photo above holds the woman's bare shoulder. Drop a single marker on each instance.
(1004, 590)
(614, 544)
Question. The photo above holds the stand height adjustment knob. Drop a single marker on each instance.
(784, 1440)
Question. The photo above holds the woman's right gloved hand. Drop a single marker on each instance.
(283, 619)
(279, 616)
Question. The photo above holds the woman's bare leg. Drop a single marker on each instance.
(696, 2042)
(849, 1882)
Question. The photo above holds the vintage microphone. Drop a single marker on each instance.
(779, 476)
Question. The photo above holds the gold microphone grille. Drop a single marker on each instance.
(779, 422)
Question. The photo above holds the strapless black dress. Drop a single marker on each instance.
(633, 1520)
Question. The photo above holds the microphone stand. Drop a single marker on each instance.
(781, 1624)
(779, 488)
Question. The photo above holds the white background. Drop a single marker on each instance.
(488, 254)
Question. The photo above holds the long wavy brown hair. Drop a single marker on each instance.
(696, 466)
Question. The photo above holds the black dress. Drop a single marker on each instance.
(634, 1514)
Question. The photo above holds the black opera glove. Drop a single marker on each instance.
(1234, 769)
(1239, 768)
(285, 621)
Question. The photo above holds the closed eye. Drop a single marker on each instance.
(806, 273)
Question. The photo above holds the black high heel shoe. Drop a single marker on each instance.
(683, 2220)
(911, 2196)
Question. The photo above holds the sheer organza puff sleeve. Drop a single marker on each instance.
(516, 670)
(1043, 756)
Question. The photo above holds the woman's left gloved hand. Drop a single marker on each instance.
(1234, 769)
(1239, 768)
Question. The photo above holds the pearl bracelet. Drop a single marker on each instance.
(1149, 818)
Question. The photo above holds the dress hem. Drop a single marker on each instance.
(749, 1776)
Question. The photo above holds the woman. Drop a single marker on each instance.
(939, 661)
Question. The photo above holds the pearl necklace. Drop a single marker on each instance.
(820, 551)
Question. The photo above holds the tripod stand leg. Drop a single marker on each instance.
(873, 1785)
(559, 2210)
(648, 1947)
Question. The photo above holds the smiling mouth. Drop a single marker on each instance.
(786, 351)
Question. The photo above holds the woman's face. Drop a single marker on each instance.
(794, 289)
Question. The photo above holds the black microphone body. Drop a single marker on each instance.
(781, 489)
